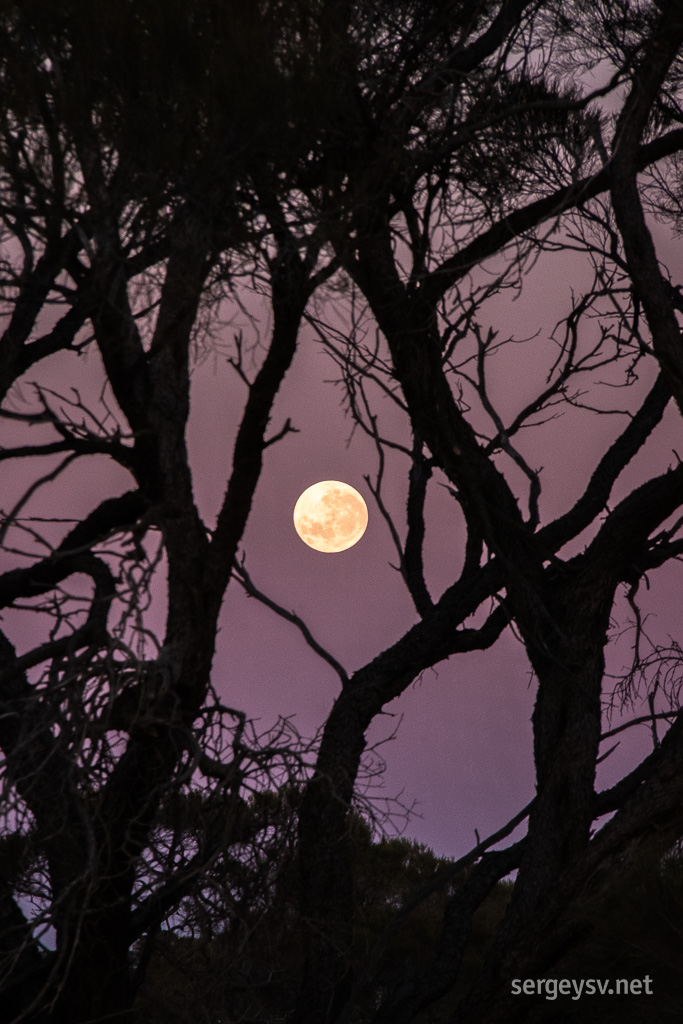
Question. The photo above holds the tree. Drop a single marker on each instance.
(377, 158)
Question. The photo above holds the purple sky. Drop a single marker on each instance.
(463, 749)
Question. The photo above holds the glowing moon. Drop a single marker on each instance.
(330, 516)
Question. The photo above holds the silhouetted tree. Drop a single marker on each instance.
(156, 161)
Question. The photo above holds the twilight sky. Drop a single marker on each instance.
(463, 747)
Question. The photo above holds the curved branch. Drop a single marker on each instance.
(242, 576)
(641, 257)
(616, 458)
(413, 568)
(109, 517)
(621, 542)
(495, 238)
(93, 630)
(291, 289)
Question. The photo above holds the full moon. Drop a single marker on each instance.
(330, 516)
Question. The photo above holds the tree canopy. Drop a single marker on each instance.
(379, 173)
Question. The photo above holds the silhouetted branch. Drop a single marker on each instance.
(243, 577)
